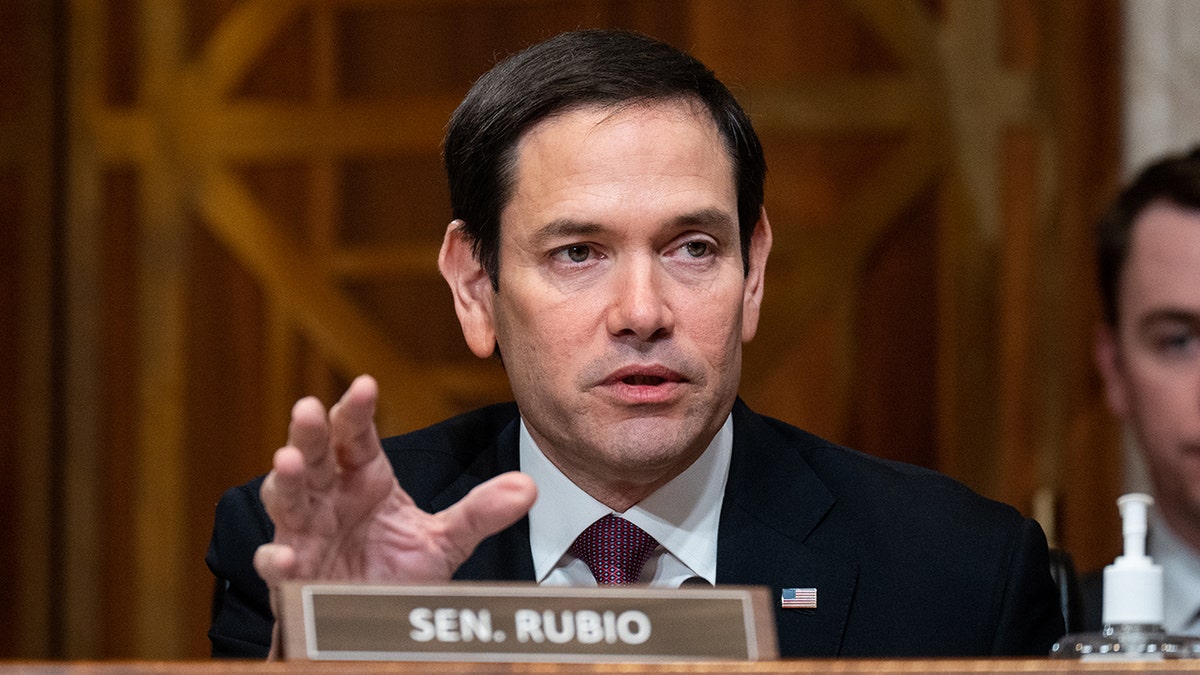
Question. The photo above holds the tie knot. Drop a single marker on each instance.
(614, 549)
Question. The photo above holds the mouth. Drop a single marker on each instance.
(644, 385)
(645, 376)
(643, 380)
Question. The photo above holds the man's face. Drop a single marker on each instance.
(623, 303)
(1151, 363)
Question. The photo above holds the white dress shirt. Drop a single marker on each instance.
(683, 516)
(1181, 578)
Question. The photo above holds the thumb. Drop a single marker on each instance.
(275, 563)
(487, 509)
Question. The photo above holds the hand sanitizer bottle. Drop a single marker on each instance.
(1133, 603)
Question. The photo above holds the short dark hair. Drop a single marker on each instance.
(594, 67)
(1174, 179)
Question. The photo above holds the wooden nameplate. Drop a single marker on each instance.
(471, 621)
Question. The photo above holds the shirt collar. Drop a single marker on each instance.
(682, 515)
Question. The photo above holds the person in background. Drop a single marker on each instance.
(608, 245)
(1148, 352)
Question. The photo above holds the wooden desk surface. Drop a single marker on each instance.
(945, 666)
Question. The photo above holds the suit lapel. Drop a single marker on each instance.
(504, 556)
(773, 503)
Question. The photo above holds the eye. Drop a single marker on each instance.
(1173, 339)
(578, 252)
(696, 249)
(575, 254)
(1175, 342)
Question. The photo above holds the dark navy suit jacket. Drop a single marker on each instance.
(906, 562)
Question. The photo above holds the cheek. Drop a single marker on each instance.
(1156, 386)
(718, 335)
(723, 315)
(1164, 402)
(545, 337)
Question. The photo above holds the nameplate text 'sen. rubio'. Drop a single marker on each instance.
(471, 621)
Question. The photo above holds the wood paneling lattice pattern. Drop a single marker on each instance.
(254, 204)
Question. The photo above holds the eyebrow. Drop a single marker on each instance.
(565, 228)
(707, 217)
(1167, 315)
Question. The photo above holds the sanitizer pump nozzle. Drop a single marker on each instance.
(1133, 603)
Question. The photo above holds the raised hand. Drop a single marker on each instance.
(340, 514)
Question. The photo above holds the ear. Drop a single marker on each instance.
(760, 248)
(1112, 369)
(471, 288)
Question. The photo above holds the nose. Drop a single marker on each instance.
(639, 305)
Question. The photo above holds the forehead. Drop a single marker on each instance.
(583, 138)
(681, 110)
(623, 153)
(1163, 267)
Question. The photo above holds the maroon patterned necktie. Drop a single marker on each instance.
(614, 549)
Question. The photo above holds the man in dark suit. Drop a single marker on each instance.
(1148, 352)
(609, 243)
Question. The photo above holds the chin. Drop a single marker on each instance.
(650, 450)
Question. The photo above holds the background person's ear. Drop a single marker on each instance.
(1112, 370)
(471, 288)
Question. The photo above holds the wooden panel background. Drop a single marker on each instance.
(212, 207)
(30, 442)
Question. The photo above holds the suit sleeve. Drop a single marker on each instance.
(241, 612)
(1030, 620)
(1091, 600)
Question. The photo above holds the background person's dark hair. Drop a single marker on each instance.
(609, 68)
(1174, 179)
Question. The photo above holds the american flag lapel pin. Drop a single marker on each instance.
(798, 598)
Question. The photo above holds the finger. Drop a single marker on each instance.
(487, 509)
(352, 424)
(284, 493)
(275, 563)
(308, 432)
